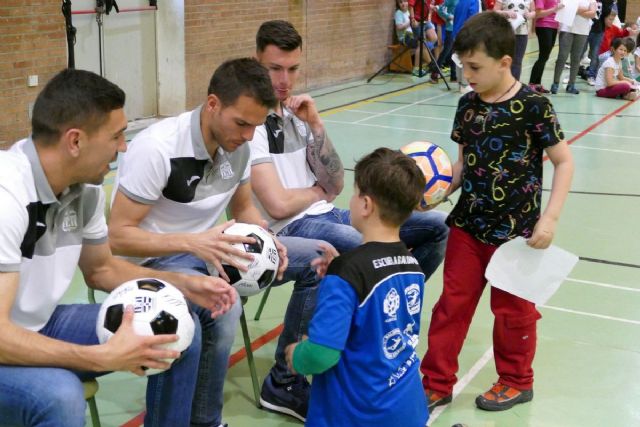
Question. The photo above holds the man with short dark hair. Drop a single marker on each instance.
(51, 223)
(175, 182)
(296, 173)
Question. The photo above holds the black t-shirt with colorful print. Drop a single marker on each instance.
(503, 147)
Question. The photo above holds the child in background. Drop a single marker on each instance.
(445, 11)
(627, 61)
(518, 12)
(406, 36)
(610, 82)
(547, 31)
(636, 58)
(464, 10)
(503, 129)
(364, 332)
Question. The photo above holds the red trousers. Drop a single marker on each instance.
(514, 326)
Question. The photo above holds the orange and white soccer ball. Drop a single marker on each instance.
(436, 167)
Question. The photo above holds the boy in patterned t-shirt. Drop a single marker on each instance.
(364, 332)
(503, 129)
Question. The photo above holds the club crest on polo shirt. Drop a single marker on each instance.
(391, 305)
(70, 221)
(393, 344)
(412, 293)
(225, 170)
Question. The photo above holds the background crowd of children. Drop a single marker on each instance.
(599, 47)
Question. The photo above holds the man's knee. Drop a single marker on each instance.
(63, 404)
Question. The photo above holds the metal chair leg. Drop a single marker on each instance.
(265, 295)
(250, 360)
(93, 410)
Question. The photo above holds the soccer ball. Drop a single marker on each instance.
(159, 308)
(436, 167)
(264, 267)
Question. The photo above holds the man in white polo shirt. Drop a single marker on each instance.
(296, 173)
(51, 223)
(176, 179)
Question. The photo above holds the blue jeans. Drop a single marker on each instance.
(302, 302)
(53, 397)
(594, 40)
(425, 233)
(217, 339)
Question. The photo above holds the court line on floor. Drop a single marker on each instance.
(611, 150)
(387, 127)
(588, 314)
(604, 261)
(606, 135)
(463, 382)
(603, 285)
(357, 122)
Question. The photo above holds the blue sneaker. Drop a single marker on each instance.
(554, 88)
(290, 398)
(572, 89)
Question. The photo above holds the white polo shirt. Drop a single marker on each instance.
(289, 156)
(41, 235)
(167, 166)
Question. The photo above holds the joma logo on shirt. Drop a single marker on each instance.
(70, 221)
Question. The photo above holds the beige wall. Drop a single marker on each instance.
(32, 42)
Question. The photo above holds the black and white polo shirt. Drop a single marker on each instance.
(41, 234)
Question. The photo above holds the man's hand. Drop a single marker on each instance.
(126, 351)
(543, 233)
(215, 247)
(321, 264)
(304, 108)
(212, 293)
(284, 259)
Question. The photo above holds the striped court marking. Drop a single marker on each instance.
(611, 150)
(463, 382)
(588, 314)
(603, 285)
(373, 116)
(606, 135)
(387, 127)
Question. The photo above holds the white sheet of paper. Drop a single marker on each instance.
(515, 23)
(567, 14)
(532, 274)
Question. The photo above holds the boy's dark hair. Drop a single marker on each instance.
(242, 76)
(393, 180)
(279, 33)
(630, 44)
(489, 31)
(73, 99)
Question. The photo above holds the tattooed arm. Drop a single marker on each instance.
(321, 154)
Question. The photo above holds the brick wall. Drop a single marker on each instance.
(633, 10)
(32, 41)
(342, 40)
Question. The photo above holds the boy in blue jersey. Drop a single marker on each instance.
(363, 335)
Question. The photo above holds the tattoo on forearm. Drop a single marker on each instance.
(325, 163)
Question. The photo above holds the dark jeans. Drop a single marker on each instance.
(546, 40)
(521, 48)
(444, 59)
(594, 40)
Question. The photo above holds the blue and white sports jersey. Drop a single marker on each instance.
(369, 308)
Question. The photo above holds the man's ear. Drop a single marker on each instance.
(213, 102)
(72, 141)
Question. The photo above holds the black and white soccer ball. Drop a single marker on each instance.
(159, 308)
(264, 267)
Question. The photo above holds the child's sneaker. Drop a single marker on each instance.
(436, 399)
(554, 88)
(290, 399)
(591, 81)
(416, 71)
(502, 397)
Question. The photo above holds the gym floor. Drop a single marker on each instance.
(589, 338)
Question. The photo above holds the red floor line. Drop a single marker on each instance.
(598, 123)
(272, 334)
